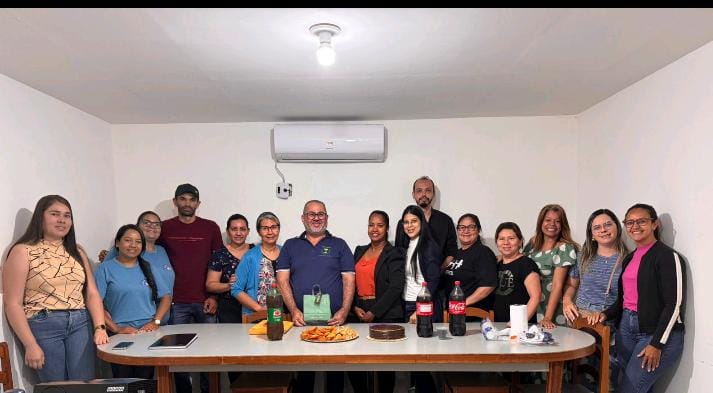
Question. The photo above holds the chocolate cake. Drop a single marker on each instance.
(387, 332)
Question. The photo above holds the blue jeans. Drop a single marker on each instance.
(630, 342)
(187, 313)
(68, 343)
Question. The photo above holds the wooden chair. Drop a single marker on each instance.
(473, 312)
(6, 371)
(602, 334)
(262, 382)
(474, 382)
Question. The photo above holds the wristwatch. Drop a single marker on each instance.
(157, 322)
(102, 327)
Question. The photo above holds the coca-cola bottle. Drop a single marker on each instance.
(274, 314)
(424, 312)
(456, 311)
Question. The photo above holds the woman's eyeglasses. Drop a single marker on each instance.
(466, 228)
(151, 224)
(640, 222)
(605, 226)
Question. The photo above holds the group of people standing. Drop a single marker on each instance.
(180, 271)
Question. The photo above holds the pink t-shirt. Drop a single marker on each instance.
(629, 277)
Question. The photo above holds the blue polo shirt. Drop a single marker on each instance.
(322, 264)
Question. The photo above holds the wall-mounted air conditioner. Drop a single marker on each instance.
(329, 142)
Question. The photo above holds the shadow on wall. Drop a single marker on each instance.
(22, 220)
(668, 233)
(22, 375)
(683, 369)
(165, 209)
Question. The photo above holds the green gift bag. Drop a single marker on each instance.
(316, 307)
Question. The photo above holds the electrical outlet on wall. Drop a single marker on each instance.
(284, 190)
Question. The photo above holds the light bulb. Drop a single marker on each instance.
(326, 54)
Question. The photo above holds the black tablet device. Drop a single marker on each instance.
(174, 341)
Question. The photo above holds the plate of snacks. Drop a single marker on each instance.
(328, 334)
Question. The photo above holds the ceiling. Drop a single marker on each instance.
(241, 65)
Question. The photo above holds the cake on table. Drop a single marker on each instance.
(387, 332)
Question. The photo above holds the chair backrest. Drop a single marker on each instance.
(260, 315)
(255, 316)
(602, 333)
(473, 312)
(6, 372)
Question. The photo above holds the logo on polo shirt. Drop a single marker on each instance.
(326, 250)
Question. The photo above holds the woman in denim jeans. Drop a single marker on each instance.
(594, 278)
(650, 305)
(48, 289)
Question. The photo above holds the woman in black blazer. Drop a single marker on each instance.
(380, 275)
(380, 280)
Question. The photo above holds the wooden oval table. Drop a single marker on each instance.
(229, 347)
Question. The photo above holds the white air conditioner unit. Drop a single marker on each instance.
(329, 142)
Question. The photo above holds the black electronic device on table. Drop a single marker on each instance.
(122, 345)
(123, 385)
(174, 341)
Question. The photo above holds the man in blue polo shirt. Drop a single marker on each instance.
(316, 257)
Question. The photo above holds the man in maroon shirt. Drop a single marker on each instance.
(189, 242)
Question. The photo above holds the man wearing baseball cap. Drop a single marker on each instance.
(189, 241)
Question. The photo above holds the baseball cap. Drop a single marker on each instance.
(187, 189)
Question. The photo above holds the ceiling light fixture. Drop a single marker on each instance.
(325, 31)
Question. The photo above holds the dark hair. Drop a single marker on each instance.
(565, 232)
(477, 225)
(35, 233)
(382, 214)
(652, 213)
(144, 214)
(236, 216)
(145, 267)
(589, 248)
(511, 226)
(424, 177)
(426, 245)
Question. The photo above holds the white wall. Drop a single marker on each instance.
(48, 147)
(652, 143)
(499, 168)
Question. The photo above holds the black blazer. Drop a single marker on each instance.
(389, 278)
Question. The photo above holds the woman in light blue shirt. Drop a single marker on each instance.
(256, 272)
(130, 293)
(150, 224)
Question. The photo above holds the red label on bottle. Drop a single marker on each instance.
(424, 309)
(456, 307)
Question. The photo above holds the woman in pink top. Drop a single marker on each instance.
(650, 305)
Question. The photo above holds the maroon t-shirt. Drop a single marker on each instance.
(189, 247)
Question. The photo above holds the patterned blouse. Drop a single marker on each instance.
(226, 263)
(563, 255)
(266, 278)
(55, 280)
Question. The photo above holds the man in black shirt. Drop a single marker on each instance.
(441, 224)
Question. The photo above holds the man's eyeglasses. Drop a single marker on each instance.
(272, 228)
(605, 226)
(151, 224)
(464, 228)
(640, 222)
(312, 215)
